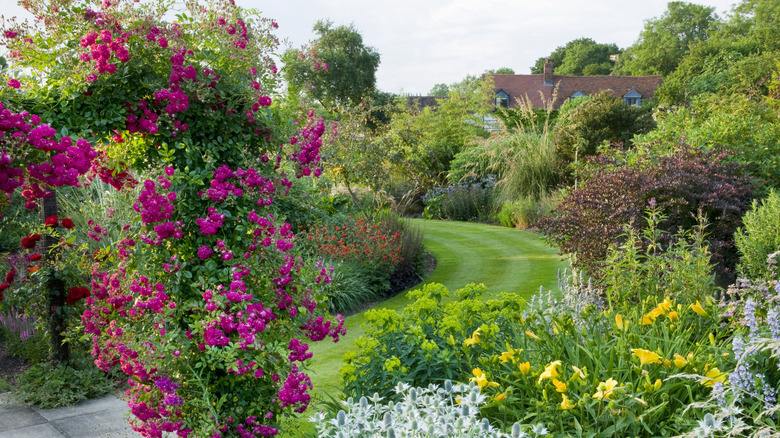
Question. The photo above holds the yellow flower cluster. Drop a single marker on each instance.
(481, 379)
(664, 308)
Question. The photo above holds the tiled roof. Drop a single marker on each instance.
(532, 86)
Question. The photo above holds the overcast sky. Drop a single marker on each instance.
(424, 42)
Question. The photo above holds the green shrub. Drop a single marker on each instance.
(424, 344)
(520, 214)
(759, 236)
(656, 264)
(601, 118)
(48, 385)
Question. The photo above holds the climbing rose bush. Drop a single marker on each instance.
(211, 329)
(203, 301)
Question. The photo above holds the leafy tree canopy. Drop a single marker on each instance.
(337, 69)
(738, 57)
(580, 57)
(666, 39)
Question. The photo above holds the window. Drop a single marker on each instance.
(576, 94)
(502, 99)
(633, 98)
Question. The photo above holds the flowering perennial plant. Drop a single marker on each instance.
(357, 241)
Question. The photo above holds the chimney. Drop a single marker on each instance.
(548, 73)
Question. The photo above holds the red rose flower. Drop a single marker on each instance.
(35, 257)
(67, 223)
(52, 221)
(4, 286)
(9, 277)
(75, 294)
(29, 241)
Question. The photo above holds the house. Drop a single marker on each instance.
(541, 88)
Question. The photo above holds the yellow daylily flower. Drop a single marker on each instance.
(532, 335)
(559, 386)
(619, 321)
(645, 356)
(551, 371)
(509, 356)
(501, 397)
(605, 389)
(673, 315)
(665, 306)
(698, 309)
(679, 361)
(525, 368)
(566, 403)
(667, 363)
(657, 384)
(481, 379)
(713, 375)
(578, 374)
(474, 339)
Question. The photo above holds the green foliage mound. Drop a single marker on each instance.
(759, 236)
(601, 118)
(424, 344)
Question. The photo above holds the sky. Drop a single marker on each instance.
(425, 42)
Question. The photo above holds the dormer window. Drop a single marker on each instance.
(576, 94)
(633, 98)
(502, 99)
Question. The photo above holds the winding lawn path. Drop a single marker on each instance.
(504, 259)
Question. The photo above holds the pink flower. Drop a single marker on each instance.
(13, 83)
(163, 42)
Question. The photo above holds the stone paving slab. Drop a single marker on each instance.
(105, 417)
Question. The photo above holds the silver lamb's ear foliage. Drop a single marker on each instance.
(517, 432)
(341, 419)
(485, 425)
(388, 419)
(434, 411)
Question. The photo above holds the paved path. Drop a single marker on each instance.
(98, 418)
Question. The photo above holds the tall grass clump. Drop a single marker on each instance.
(522, 157)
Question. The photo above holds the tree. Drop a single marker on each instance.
(580, 57)
(738, 57)
(440, 90)
(667, 39)
(500, 71)
(337, 69)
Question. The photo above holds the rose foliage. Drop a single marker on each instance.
(203, 301)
